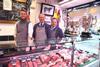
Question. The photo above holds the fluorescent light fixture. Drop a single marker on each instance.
(74, 9)
(70, 9)
(64, 1)
(95, 5)
(21, 0)
(72, 3)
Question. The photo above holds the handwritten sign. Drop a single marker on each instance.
(7, 4)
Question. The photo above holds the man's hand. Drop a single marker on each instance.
(30, 41)
(47, 47)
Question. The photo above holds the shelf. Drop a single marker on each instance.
(7, 21)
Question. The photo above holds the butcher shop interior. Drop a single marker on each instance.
(49, 33)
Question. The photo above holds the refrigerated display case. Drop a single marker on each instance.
(85, 48)
(84, 53)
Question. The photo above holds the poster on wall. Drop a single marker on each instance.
(7, 4)
(47, 9)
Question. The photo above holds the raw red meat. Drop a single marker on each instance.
(75, 65)
(67, 61)
(45, 58)
(54, 66)
(16, 64)
(30, 63)
(35, 64)
(85, 59)
(38, 61)
(11, 65)
(61, 64)
(54, 56)
(24, 63)
(43, 65)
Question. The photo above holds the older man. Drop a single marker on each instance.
(41, 32)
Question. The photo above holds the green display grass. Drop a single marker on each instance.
(86, 63)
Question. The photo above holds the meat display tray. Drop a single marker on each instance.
(55, 57)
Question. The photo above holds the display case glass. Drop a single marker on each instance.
(86, 48)
(85, 53)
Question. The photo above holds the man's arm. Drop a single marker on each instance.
(30, 30)
(60, 32)
(34, 30)
(48, 31)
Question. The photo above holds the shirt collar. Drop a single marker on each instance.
(41, 24)
(53, 28)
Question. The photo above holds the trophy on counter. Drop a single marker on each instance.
(86, 22)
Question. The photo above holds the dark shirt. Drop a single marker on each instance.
(58, 31)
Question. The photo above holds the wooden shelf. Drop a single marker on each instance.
(7, 21)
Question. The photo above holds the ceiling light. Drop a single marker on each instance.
(74, 9)
(95, 5)
(64, 1)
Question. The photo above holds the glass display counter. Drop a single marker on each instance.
(85, 54)
(87, 47)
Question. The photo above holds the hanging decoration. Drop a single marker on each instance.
(57, 14)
